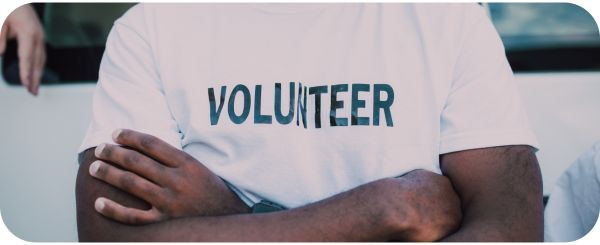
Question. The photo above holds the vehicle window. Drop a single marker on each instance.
(80, 24)
(75, 37)
(547, 36)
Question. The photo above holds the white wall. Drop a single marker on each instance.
(38, 142)
(564, 111)
(39, 138)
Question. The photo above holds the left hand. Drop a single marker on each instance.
(24, 25)
(171, 181)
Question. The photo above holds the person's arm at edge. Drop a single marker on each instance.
(350, 216)
(501, 193)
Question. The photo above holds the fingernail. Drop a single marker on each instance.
(116, 134)
(99, 149)
(94, 168)
(99, 204)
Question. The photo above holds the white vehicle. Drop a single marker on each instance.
(556, 59)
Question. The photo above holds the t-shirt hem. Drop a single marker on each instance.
(95, 139)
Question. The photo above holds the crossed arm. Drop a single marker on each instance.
(499, 190)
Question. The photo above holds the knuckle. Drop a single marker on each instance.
(169, 195)
(161, 199)
(182, 188)
(132, 219)
(131, 158)
(152, 194)
(148, 189)
(188, 157)
(185, 169)
(154, 169)
(29, 33)
(147, 142)
(143, 186)
(158, 216)
(127, 182)
(160, 169)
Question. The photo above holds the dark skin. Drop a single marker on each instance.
(500, 189)
(420, 206)
(376, 211)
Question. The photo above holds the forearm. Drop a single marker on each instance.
(344, 217)
(348, 216)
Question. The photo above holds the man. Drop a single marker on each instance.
(233, 101)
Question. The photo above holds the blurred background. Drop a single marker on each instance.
(553, 48)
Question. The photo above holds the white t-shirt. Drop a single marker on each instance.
(378, 90)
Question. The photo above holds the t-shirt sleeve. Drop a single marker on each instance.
(483, 107)
(129, 92)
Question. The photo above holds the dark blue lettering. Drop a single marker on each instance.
(258, 117)
(214, 112)
(278, 115)
(378, 104)
(356, 104)
(317, 91)
(337, 104)
(301, 105)
(238, 119)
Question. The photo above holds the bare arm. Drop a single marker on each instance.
(377, 211)
(501, 193)
(338, 218)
